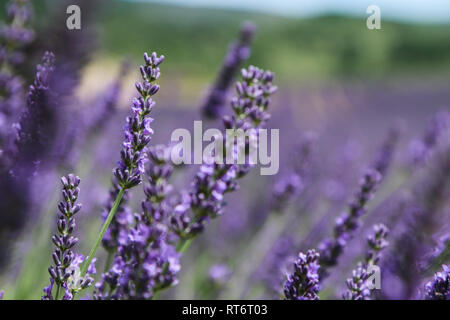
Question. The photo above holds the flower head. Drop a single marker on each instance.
(439, 287)
(303, 283)
(138, 129)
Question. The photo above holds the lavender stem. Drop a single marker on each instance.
(102, 232)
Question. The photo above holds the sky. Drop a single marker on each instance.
(421, 11)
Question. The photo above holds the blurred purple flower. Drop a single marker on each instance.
(238, 52)
(331, 248)
(357, 286)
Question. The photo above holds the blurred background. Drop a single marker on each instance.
(339, 82)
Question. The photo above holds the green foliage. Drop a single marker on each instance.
(196, 40)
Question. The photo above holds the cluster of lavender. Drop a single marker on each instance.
(15, 35)
(439, 287)
(303, 283)
(422, 149)
(238, 52)
(347, 223)
(138, 133)
(145, 262)
(32, 133)
(289, 187)
(65, 273)
(214, 180)
(357, 286)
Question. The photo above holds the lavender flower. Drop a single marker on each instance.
(36, 124)
(219, 274)
(237, 54)
(145, 261)
(138, 131)
(421, 222)
(385, 153)
(137, 136)
(421, 149)
(303, 283)
(357, 286)
(65, 273)
(2, 292)
(214, 180)
(286, 189)
(274, 266)
(347, 223)
(439, 287)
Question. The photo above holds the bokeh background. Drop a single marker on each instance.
(339, 82)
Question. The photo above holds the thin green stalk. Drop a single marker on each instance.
(102, 232)
(183, 245)
(109, 259)
(57, 292)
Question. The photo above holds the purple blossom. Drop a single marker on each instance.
(213, 181)
(421, 149)
(145, 261)
(303, 283)
(439, 287)
(385, 153)
(138, 131)
(238, 52)
(331, 248)
(357, 286)
(65, 273)
(219, 274)
(36, 128)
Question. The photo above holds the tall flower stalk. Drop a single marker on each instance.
(145, 261)
(238, 52)
(65, 273)
(357, 286)
(213, 181)
(345, 226)
(138, 134)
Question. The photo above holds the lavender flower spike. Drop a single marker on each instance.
(439, 288)
(238, 52)
(213, 181)
(33, 129)
(347, 223)
(145, 262)
(65, 273)
(358, 288)
(138, 131)
(303, 283)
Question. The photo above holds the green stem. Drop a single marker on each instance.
(57, 292)
(183, 245)
(109, 259)
(102, 232)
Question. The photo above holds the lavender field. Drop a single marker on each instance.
(92, 205)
